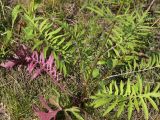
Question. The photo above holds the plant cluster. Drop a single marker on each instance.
(101, 56)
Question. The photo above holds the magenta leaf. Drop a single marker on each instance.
(21, 57)
(47, 116)
(47, 66)
(31, 66)
(36, 73)
(36, 64)
(42, 60)
(8, 64)
(50, 114)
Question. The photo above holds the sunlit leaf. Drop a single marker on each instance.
(113, 105)
(145, 109)
(95, 73)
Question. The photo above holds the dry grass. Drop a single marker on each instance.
(19, 93)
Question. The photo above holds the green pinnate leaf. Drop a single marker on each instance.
(95, 73)
(121, 87)
(156, 88)
(111, 107)
(101, 62)
(153, 103)
(139, 84)
(136, 104)
(102, 101)
(144, 108)
(37, 43)
(45, 50)
(120, 109)
(130, 109)
(116, 88)
(128, 89)
(76, 112)
(42, 25)
(153, 94)
(77, 115)
(15, 11)
(111, 87)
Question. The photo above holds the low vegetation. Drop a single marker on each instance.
(79, 60)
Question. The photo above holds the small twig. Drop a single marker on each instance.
(151, 117)
(155, 22)
(131, 72)
(149, 7)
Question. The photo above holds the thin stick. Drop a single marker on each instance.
(155, 22)
(131, 72)
(149, 7)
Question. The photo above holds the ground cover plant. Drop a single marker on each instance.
(79, 60)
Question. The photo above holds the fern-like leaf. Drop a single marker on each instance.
(134, 97)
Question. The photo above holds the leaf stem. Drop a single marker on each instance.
(131, 72)
(100, 53)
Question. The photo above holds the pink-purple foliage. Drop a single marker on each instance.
(50, 114)
(21, 57)
(36, 64)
